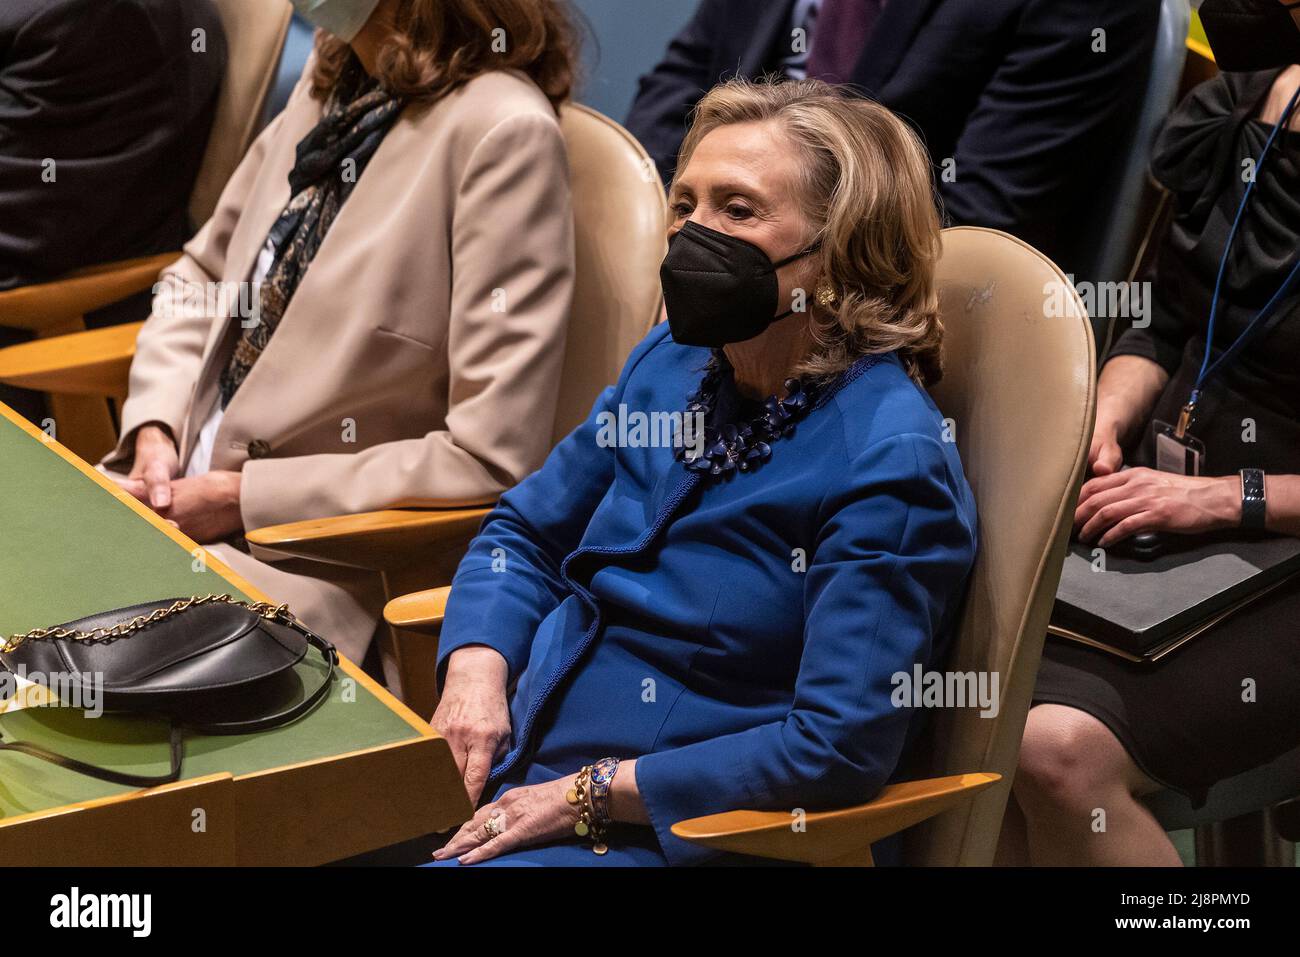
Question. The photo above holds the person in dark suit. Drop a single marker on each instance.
(105, 108)
(1020, 102)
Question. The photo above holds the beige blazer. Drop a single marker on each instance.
(418, 361)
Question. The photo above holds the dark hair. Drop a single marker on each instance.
(439, 45)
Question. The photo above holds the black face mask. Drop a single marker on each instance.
(1249, 35)
(719, 289)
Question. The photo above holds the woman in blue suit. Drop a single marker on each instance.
(701, 601)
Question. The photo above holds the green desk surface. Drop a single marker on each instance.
(69, 548)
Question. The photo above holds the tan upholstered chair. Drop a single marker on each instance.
(1018, 388)
(619, 224)
(620, 217)
(255, 31)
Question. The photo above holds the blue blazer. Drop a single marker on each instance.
(735, 635)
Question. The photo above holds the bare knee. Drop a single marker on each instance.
(1069, 761)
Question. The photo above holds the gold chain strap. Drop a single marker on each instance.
(125, 629)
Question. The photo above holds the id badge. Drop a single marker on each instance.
(1182, 456)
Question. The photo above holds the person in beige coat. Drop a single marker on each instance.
(375, 314)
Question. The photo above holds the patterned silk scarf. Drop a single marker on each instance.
(329, 163)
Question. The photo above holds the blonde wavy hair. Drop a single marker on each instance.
(440, 45)
(868, 190)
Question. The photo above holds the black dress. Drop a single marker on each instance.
(1229, 700)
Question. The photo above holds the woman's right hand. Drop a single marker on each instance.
(1127, 391)
(156, 464)
(1105, 457)
(1279, 95)
(473, 713)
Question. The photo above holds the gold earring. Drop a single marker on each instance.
(827, 298)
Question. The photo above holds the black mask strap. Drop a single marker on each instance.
(809, 250)
(795, 258)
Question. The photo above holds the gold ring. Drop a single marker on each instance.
(491, 827)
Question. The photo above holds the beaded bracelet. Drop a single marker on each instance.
(590, 795)
(602, 777)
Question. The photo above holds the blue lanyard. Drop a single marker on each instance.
(1208, 369)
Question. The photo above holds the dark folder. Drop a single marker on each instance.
(1143, 609)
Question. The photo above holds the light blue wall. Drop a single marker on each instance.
(626, 39)
(297, 47)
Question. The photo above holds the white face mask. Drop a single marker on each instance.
(343, 18)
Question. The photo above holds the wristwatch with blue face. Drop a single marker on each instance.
(1252, 499)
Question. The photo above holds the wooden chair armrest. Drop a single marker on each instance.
(96, 362)
(842, 836)
(47, 306)
(420, 611)
(392, 538)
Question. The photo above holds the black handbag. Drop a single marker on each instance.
(211, 664)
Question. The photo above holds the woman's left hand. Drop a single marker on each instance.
(1127, 503)
(525, 817)
(206, 507)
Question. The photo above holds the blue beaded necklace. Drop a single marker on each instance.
(741, 446)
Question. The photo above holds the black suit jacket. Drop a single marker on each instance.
(114, 94)
(1011, 91)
